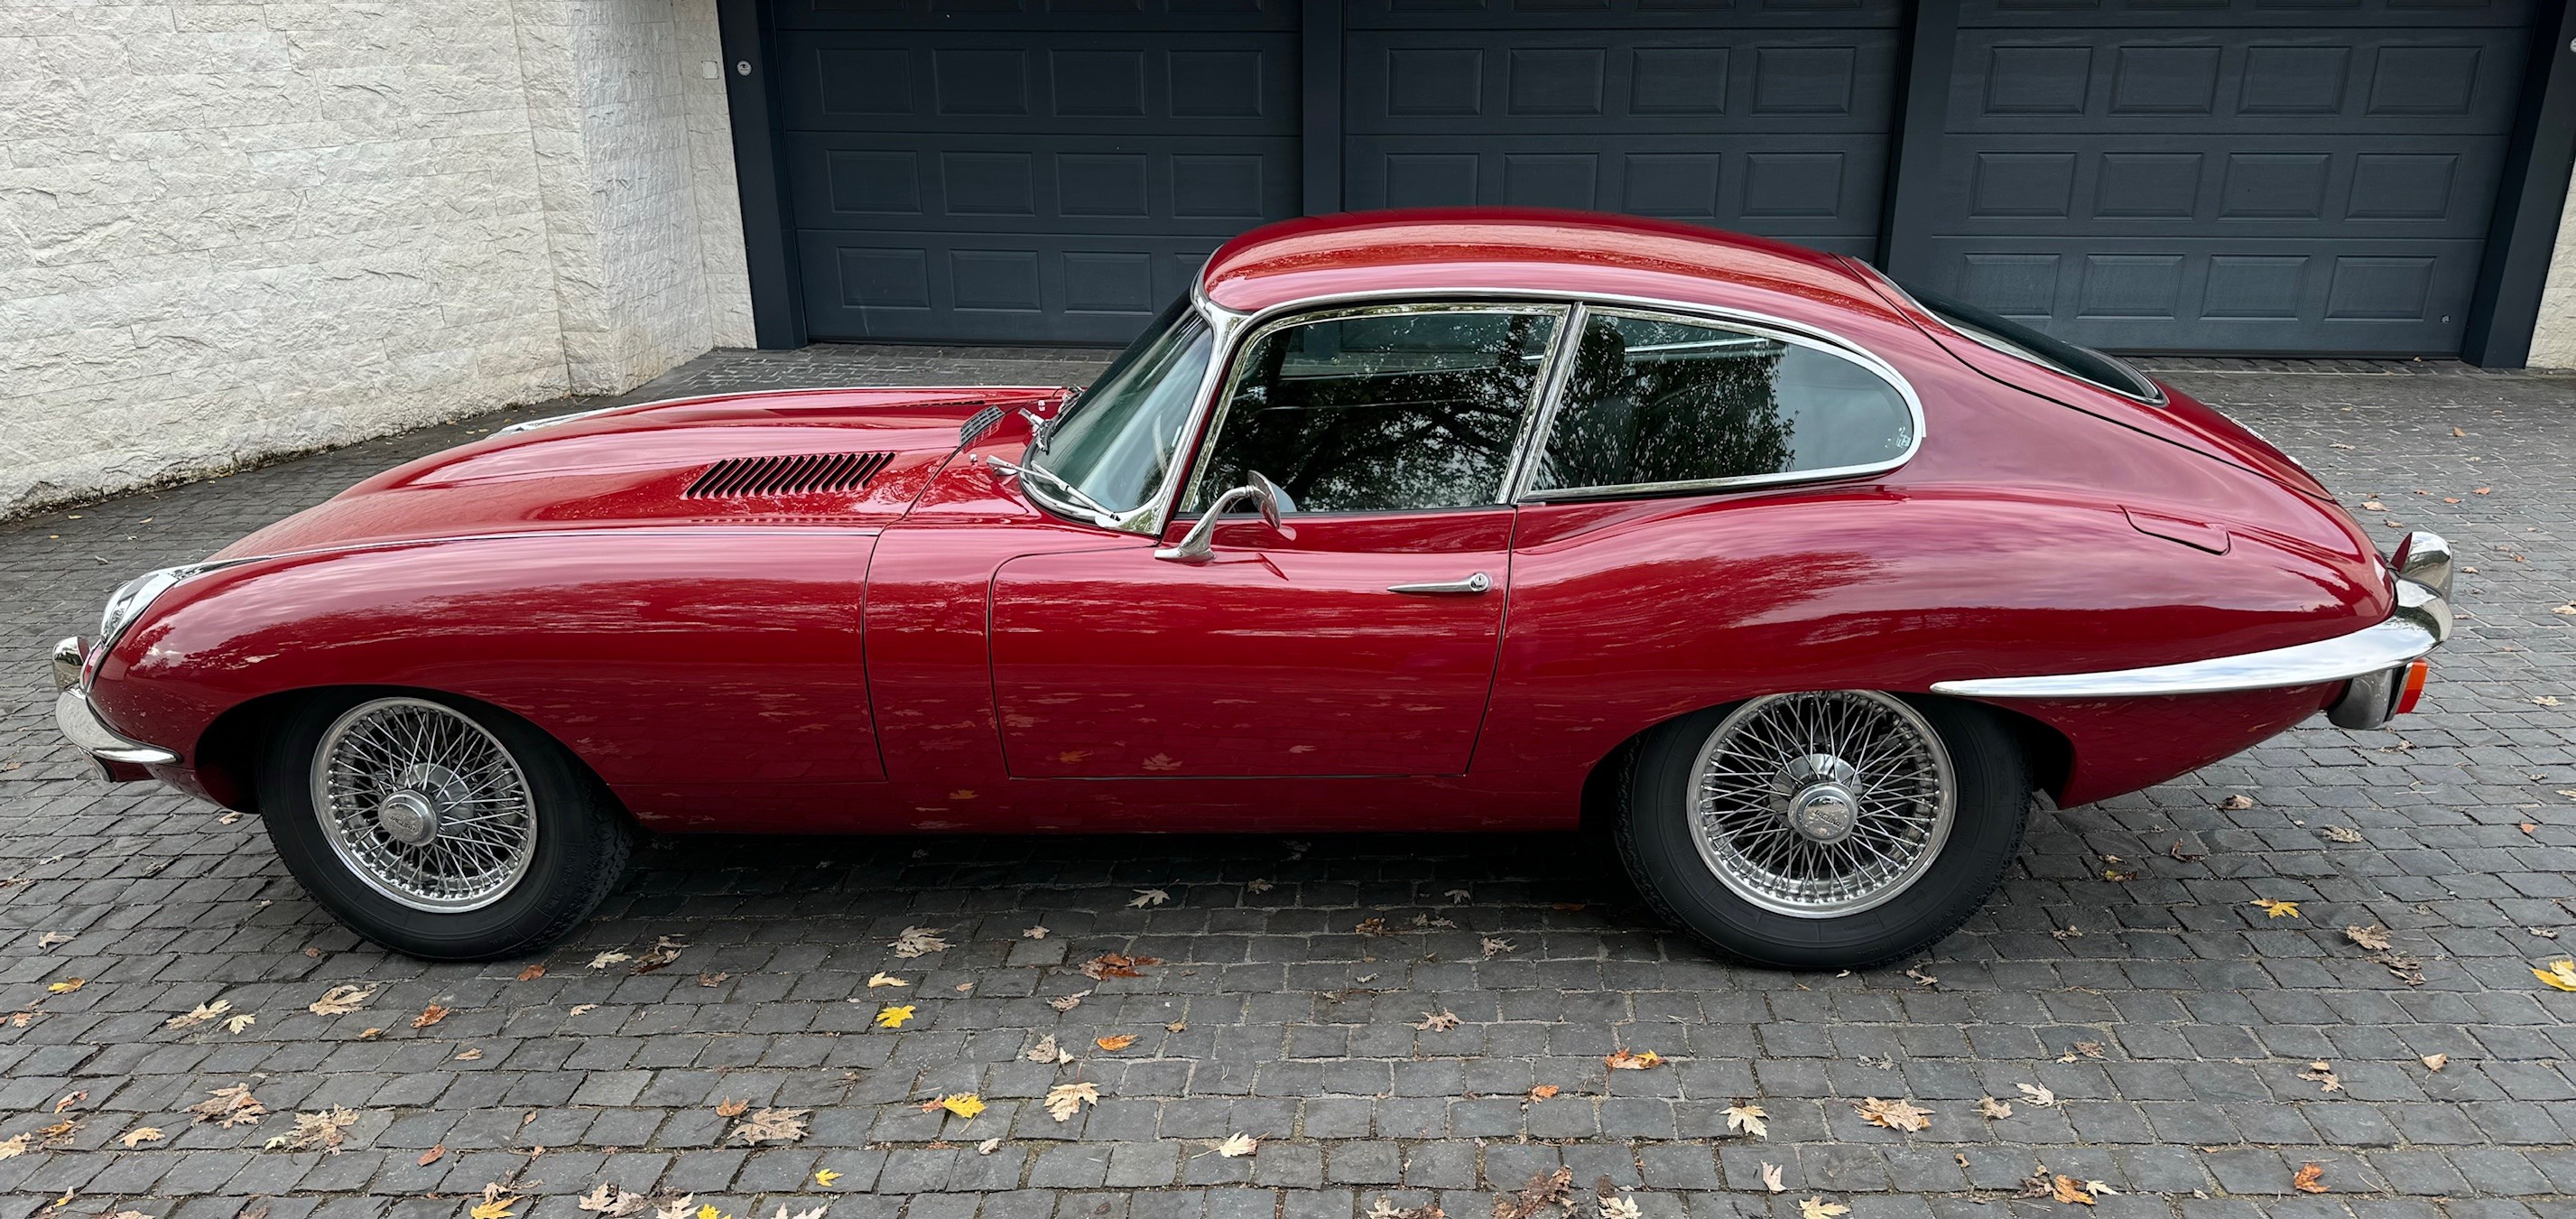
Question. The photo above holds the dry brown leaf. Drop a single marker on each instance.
(666, 949)
(2373, 937)
(2237, 802)
(1113, 1044)
(318, 1131)
(771, 1126)
(1991, 1108)
(1437, 1022)
(1894, 1114)
(1065, 1100)
(199, 1014)
(231, 1105)
(1384, 1209)
(2310, 1179)
(141, 1135)
(2435, 1062)
(1544, 1092)
(1620, 1208)
(1771, 1178)
(610, 957)
(239, 1021)
(2341, 833)
(729, 1107)
(1066, 1003)
(918, 942)
(1047, 1051)
(533, 972)
(432, 1156)
(882, 978)
(2068, 1190)
(15, 1145)
(1818, 1208)
(1543, 1190)
(1237, 1146)
(1495, 946)
(1150, 897)
(428, 1016)
(1921, 978)
(1748, 1118)
(612, 1201)
(2322, 1074)
(1115, 965)
(1634, 1060)
(468, 1054)
(342, 1000)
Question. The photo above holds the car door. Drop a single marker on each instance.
(1356, 638)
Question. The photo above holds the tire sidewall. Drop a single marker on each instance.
(1656, 838)
(546, 897)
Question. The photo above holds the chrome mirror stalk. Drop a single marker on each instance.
(1198, 545)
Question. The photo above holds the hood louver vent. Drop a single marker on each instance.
(735, 477)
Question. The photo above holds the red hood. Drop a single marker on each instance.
(634, 466)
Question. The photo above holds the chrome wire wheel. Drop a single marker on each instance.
(423, 804)
(1822, 804)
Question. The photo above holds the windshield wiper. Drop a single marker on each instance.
(1021, 472)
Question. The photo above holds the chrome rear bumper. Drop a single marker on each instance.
(115, 754)
(2374, 659)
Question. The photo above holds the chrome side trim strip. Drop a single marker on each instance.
(2421, 622)
(82, 727)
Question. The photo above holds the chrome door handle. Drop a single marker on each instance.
(1470, 586)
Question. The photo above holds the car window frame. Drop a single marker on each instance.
(1248, 335)
(1534, 444)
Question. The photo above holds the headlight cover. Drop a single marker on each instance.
(130, 599)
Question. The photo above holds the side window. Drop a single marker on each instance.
(1654, 400)
(1381, 410)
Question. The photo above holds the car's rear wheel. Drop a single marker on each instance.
(1824, 829)
(437, 828)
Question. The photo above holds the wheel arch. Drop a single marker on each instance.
(228, 752)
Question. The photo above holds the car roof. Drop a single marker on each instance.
(1499, 249)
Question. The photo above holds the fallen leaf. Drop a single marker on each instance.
(2340, 833)
(882, 978)
(666, 949)
(533, 972)
(2276, 908)
(963, 1104)
(1033, 933)
(1771, 1177)
(14, 1146)
(676, 1208)
(1066, 1003)
(771, 1126)
(2236, 802)
(141, 1135)
(1065, 1100)
(2435, 1062)
(729, 1107)
(428, 1016)
(1494, 946)
(236, 1023)
(811, 1212)
(1115, 965)
(989, 1146)
(1543, 1189)
(493, 1208)
(1384, 1209)
(611, 957)
(51, 938)
(1258, 885)
(199, 1014)
(1177, 1026)
(1374, 927)
(1921, 978)
(1748, 1118)
(611, 1200)
(918, 942)
(2560, 974)
(892, 1016)
(1818, 1208)
(1995, 1109)
(2373, 937)
(1115, 1043)
(1619, 1208)
(2310, 1179)
(231, 1105)
(432, 1156)
(579, 1008)
(469, 1054)
(2069, 1191)
(342, 1000)
(1237, 1146)
(2037, 1094)
(1893, 1114)
(318, 1131)
(713, 979)
(2322, 1074)
(1439, 1022)
(1150, 897)
(1634, 1060)
(66, 986)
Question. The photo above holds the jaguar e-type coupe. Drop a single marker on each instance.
(1801, 585)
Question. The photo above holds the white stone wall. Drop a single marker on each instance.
(2553, 340)
(234, 230)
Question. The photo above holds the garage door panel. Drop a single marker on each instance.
(2284, 80)
(1030, 83)
(973, 287)
(1616, 14)
(2343, 14)
(1035, 14)
(2233, 186)
(1185, 186)
(1737, 81)
(2221, 294)
(1752, 183)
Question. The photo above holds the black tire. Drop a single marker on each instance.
(1655, 840)
(583, 841)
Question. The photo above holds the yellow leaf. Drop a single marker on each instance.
(710, 1212)
(825, 1176)
(2561, 974)
(894, 1016)
(2275, 908)
(882, 978)
(496, 1208)
(2068, 1190)
(1634, 1060)
(68, 985)
(964, 1104)
(1115, 1044)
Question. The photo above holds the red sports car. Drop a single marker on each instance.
(1801, 583)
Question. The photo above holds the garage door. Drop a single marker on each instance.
(2239, 175)
(1026, 170)
(1769, 119)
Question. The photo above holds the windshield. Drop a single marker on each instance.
(1116, 443)
(2011, 337)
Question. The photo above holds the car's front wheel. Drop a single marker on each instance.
(440, 829)
(1824, 829)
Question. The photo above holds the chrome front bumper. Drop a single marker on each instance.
(2374, 659)
(81, 726)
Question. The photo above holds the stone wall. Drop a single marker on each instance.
(229, 231)
(2553, 340)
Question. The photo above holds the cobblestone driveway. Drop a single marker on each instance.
(2171, 1020)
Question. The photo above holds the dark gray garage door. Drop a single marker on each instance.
(1768, 119)
(1028, 170)
(2239, 175)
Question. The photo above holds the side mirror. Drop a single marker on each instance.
(1197, 546)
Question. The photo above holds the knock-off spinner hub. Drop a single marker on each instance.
(1818, 801)
(425, 794)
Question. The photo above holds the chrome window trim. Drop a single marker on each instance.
(1841, 348)
(1562, 311)
(1229, 326)
(2157, 391)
